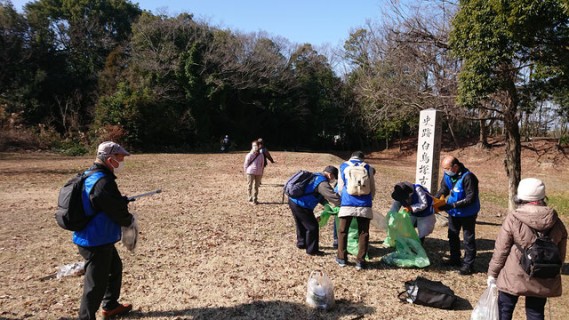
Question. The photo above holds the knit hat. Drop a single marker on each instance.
(531, 189)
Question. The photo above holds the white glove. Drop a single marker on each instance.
(491, 281)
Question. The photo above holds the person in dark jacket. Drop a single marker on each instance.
(520, 229)
(264, 151)
(96, 243)
(318, 190)
(460, 188)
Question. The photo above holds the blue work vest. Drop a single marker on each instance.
(101, 229)
(311, 197)
(457, 193)
(347, 199)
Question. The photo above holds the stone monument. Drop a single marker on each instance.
(429, 149)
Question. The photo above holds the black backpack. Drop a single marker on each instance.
(294, 187)
(542, 258)
(425, 292)
(70, 214)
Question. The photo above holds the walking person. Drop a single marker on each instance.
(253, 167)
(96, 243)
(460, 187)
(356, 186)
(519, 231)
(317, 190)
(265, 152)
(419, 203)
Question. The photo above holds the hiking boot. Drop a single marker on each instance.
(465, 271)
(341, 262)
(360, 266)
(317, 253)
(120, 310)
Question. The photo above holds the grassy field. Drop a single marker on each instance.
(206, 253)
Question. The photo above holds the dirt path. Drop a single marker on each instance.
(206, 253)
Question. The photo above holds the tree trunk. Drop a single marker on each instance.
(452, 134)
(512, 162)
(483, 138)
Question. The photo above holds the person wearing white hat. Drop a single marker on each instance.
(103, 201)
(518, 232)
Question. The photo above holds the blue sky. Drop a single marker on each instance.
(317, 22)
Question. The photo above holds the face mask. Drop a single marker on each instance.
(449, 173)
(119, 168)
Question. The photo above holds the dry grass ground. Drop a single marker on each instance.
(205, 253)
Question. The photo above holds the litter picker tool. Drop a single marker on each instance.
(144, 194)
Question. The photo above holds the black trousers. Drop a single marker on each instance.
(468, 225)
(535, 307)
(307, 231)
(103, 279)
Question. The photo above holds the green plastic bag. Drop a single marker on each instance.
(402, 235)
(352, 231)
(325, 215)
(353, 236)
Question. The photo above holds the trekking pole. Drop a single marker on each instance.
(144, 194)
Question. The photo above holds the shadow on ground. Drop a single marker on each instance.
(262, 310)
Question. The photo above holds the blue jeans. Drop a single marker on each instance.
(535, 307)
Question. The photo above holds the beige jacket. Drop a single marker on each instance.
(504, 265)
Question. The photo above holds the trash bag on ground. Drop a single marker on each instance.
(320, 291)
(402, 235)
(487, 306)
(399, 226)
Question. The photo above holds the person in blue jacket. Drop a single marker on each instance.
(103, 201)
(357, 192)
(419, 203)
(318, 190)
(460, 188)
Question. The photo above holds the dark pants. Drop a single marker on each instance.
(335, 231)
(103, 278)
(535, 307)
(363, 237)
(468, 225)
(307, 231)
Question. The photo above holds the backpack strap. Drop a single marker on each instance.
(250, 162)
(538, 234)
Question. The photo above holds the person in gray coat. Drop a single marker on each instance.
(519, 230)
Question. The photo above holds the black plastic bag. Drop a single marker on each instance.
(429, 293)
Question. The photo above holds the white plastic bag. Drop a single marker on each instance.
(487, 306)
(72, 269)
(130, 235)
(320, 291)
